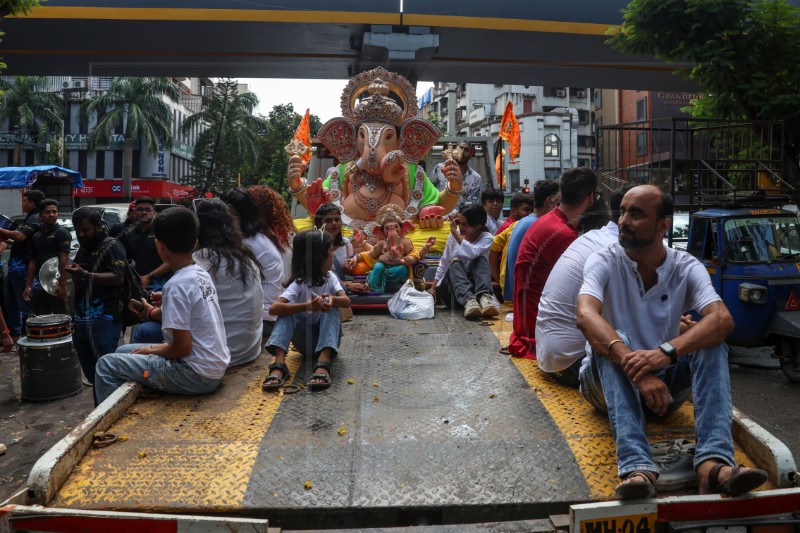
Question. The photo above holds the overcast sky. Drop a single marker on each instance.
(322, 97)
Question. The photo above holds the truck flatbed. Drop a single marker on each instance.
(425, 422)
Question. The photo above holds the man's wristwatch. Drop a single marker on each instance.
(670, 350)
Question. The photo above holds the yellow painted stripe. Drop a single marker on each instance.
(301, 16)
(178, 455)
(588, 432)
(212, 15)
(488, 23)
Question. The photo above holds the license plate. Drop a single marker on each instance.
(613, 517)
(642, 523)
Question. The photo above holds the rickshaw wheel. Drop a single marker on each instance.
(788, 351)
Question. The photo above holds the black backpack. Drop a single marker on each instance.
(131, 290)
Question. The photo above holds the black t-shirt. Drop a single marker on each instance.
(92, 300)
(140, 247)
(20, 250)
(46, 245)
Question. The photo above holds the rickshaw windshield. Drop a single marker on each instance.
(762, 239)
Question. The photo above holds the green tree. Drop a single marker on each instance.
(26, 102)
(230, 138)
(743, 54)
(136, 108)
(282, 122)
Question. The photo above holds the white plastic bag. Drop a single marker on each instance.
(410, 304)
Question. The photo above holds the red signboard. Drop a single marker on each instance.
(113, 189)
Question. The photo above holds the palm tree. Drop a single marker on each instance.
(137, 108)
(230, 137)
(27, 102)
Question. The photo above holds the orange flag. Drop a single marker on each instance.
(501, 182)
(509, 131)
(303, 134)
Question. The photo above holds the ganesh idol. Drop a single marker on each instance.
(379, 142)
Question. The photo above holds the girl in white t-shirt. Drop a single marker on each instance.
(306, 306)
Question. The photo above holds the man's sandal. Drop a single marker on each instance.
(637, 485)
(742, 480)
(273, 382)
(326, 378)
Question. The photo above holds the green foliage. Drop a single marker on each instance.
(230, 138)
(25, 101)
(743, 54)
(136, 108)
(271, 168)
(437, 120)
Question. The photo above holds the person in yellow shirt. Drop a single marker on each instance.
(544, 198)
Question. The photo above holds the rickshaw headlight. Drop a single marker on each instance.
(750, 292)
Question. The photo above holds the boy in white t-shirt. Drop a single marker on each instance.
(194, 356)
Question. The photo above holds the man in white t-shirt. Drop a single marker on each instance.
(194, 356)
(560, 345)
(629, 309)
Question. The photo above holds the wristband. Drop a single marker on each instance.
(611, 344)
(5, 332)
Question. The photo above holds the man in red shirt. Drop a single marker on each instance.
(541, 247)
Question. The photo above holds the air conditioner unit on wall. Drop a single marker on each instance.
(78, 84)
(561, 93)
(580, 94)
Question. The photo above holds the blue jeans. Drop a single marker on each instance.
(174, 376)
(703, 374)
(92, 340)
(327, 333)
(17, 309)
(147, 333)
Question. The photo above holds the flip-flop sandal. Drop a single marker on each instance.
(273, 382)
(320, 385)
(741, 480)
(637, 490)
(504, 350)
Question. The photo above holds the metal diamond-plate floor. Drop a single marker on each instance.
(423, 418)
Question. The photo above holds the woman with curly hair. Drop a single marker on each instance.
(267, 228)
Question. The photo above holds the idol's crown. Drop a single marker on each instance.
(379, 106)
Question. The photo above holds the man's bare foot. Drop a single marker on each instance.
(716, 477)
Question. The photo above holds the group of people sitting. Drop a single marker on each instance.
(597, 299)
(606, 307)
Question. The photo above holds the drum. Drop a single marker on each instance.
(49, 370)
(48, 327)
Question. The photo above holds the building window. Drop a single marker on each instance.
(641, 143)
(583, 117)
(513, 180)
(551, 145)
(641, 109)
(527, 105)
(551, 174)
(100, 162)
(598, 98)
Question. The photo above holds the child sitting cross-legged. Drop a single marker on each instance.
(194, 356)
(307, 306)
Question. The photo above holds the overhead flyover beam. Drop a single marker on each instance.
(503, 41)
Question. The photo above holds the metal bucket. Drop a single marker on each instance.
(49, 370)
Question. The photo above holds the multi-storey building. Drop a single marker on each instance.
(556, 124)
(161, 175)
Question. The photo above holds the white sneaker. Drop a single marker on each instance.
(3, 449)
(472, 309)
(487, 306)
